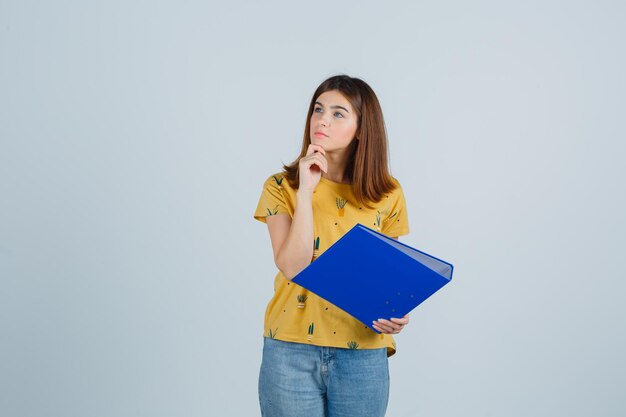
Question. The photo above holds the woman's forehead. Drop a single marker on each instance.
(334, 98)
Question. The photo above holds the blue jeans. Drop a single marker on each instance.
(299, 379)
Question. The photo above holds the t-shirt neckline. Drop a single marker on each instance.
(339, 184)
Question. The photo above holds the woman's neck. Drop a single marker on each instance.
(337, 162)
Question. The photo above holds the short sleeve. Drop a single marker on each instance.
(273, 198)
(397, 221)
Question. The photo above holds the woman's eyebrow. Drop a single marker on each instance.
(333, 107)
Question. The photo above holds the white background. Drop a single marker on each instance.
(134, 140)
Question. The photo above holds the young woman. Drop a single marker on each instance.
(317, 359)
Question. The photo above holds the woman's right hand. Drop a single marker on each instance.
(311, 166)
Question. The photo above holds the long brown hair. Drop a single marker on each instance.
(368, 166)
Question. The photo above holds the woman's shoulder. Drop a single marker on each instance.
(397, 186)
(277, 181)
(276, 178)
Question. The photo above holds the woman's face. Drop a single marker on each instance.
(333, 122)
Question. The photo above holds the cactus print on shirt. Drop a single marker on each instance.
(295, 314)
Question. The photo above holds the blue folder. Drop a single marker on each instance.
(371, 276)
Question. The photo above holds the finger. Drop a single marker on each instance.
(321, 162)
(314, 148)
(314, 159)
(382, 330)
(387, 322)
(379, 325)
(387, 328)
(391, 324)
(318, 156)
(319, 148)
(324, 163)
(402, 321)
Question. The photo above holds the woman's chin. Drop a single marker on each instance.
(318, 141)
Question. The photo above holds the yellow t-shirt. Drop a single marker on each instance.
(295, 314)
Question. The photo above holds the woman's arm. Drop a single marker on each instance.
(292, 239)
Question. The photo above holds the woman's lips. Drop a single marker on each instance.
(320, 134)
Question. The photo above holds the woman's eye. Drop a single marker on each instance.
(337, 114)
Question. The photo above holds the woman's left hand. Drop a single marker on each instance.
(393, 326)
